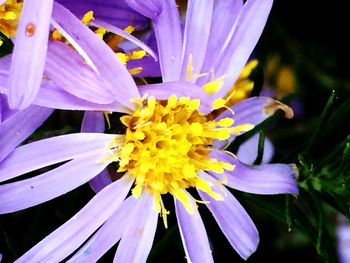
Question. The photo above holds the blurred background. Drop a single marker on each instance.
(303, 61)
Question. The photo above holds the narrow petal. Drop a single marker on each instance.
(29, 53)
(20, 126)
(127, 36)
(150, 68)
(53, 150)
(163, 91)
(253, 111)
(67, 238)
(196, 35)
(231, 61)
(233, 220)
(99, 54)
(117, 13)
(107, 236)
(248, 151)
(52, 96)
(5, 62)
(42, 188)
(224, 21)
(138, 237)
(258, 179)
(166, 25)
(193, 234)
(67, 68)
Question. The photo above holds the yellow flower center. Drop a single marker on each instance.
(9, 15)
(166, 143)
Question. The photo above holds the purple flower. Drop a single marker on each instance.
(172, 142)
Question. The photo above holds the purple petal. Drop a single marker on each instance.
(197, 28)
(225, 15)
(5, 62)
(46, 152)
(233, 220)
(67, 238)
(193, 234)
(19, 127)
(117, 13)
(104, 60)
(39, 189)
(138, 237)
(248, 151)
(163, 91)
(258, 179)
(253, 111)
(166, 25)
(108, 235)
(231, 61)
(68, 69)
(29, 53)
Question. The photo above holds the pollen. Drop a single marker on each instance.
(10, 12)
(167, 142)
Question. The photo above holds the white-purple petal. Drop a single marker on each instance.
(42, 188)
(196, 35)
(53, 150)
(20, 126)
(67, 238)
(193, 234)
(107, 236)
(137, 239)
(233, 220)
(258, 179)
(29, 53)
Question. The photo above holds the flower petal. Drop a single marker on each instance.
(231, 61)
(108, 235)
(258, 179)
(19, 127)
(225, 15)
(67, 68)
(138, 237)
(53, 150)
(39, 189)
(166, 25)
(67, 238)
(163, 91)
(233, 220)
(253, 111)
(193, 234)
(29, 53)
(101, 56)
(197, 28)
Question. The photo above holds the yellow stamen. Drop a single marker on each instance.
(214, 85)
(87, 18)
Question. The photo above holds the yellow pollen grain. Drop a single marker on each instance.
(135, 71)
(167, 143)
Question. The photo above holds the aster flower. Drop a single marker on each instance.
(159, 118)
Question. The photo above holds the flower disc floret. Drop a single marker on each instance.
(166, 143)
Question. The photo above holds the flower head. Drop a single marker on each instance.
(9, 15)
